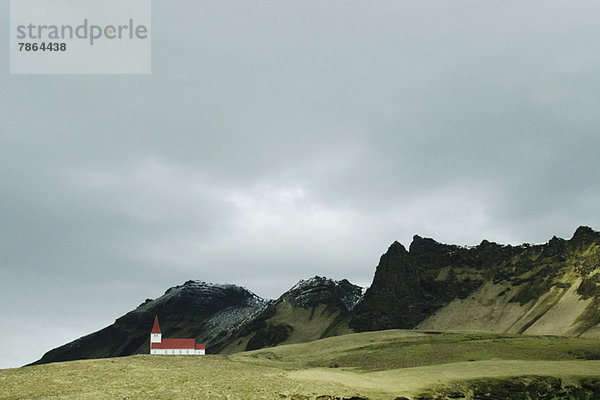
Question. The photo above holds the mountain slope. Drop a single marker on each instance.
(227, 318)
(312, 309)
(552, 288)
(207, 312)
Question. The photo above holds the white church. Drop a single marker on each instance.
(158, 345)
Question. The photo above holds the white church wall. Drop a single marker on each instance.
(177, 352)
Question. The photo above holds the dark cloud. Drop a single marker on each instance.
(279, 140)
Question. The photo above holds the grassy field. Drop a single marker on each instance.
(376, 365)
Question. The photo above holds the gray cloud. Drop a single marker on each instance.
(278, 140)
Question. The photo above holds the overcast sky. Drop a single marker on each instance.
(276, 140)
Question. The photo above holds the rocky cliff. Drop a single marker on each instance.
(552, 288)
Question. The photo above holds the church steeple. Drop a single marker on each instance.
(155, 334)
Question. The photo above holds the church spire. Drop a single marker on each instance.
(155, 328)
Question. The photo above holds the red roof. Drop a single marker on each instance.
(155, 328)
(175, 344)
(200, 347)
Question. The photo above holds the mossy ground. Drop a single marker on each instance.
(374, 365)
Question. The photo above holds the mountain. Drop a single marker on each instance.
(311, 310)
(544, 289)
(552, 288)
(227, 318)
(202, 310)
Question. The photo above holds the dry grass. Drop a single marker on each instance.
(375, 365)
(156, 377)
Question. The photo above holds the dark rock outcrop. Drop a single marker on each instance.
(411, 286)
(407, 289)
(319, 290)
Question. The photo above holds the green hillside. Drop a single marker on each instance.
(374, 365)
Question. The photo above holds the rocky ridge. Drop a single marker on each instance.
(551, 288)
